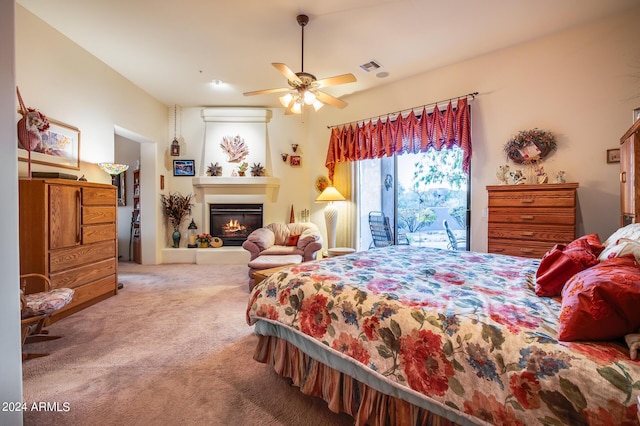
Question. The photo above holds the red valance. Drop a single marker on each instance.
(410, 134)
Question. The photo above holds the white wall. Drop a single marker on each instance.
(10, 355)
(68, 84)
(581, 84)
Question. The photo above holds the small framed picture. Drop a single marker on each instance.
(613, 155)
(636, 114)
(184, 168)
(294, 161)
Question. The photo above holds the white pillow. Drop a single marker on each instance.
(631, 232)
(623, 247)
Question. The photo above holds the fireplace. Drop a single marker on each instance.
(234, 222)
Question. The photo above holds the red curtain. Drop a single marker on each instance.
(437, 130)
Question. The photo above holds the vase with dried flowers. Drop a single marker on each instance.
(30, 127)
(176, 207)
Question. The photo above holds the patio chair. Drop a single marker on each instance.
(454, 243)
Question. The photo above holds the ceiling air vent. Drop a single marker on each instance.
(371, 65)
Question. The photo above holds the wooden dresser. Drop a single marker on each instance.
(527, 220)
(68, 232)
(629, 171)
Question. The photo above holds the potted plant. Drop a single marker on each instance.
(176, 207)
(204, 240)
(242, 168)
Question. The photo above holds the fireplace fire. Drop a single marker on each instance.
(234, 222)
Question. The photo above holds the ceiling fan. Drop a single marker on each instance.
(304, 87)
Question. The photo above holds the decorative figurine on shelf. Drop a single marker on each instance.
(517, 177)
(214, 170)
(541, 175)
(502, 173)
(560, 177)
(242, 168)
(257, 170)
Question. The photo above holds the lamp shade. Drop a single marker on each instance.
(330, 193)
(113, 169)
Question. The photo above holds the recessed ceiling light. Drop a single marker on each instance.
(382, 74)
(216, 82)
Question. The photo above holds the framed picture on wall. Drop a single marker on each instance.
(294, 161)
(184, 168)
(613, 155)
(59, 147)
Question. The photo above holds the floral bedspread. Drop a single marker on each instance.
(461, 328)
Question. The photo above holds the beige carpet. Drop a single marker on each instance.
(172, 348)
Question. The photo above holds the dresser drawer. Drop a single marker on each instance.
(99, 196)
(522, 248)
(73, 278)
(88, 294)
(533, 215)
(60, 260)
(98, 214)
(558, 198)
(97, 233)
(532, 232)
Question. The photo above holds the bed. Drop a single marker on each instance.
(410, 335)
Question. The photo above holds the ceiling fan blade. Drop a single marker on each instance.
(328, 99)
(335, 80)
(289, 107)
(286, 71)
(263, 92)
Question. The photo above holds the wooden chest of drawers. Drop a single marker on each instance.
(527, 220)
(68, 232)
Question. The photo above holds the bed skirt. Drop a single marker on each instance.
(341, 392)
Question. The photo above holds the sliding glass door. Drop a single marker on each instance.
(420, 194)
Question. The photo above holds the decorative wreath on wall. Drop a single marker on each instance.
(530, 146)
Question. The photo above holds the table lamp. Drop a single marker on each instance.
(330, 194)
(113, 169)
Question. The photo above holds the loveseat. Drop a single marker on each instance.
(280, 244)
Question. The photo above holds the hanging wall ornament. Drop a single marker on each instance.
(175, 145)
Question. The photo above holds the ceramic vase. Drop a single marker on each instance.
(176, 238)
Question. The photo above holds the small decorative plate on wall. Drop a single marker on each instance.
(321, 183)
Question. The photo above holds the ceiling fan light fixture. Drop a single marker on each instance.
(286, 99)
(297, 107)
(317, 105)
(309, 97)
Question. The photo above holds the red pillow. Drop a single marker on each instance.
(293, 240)
(601, 303)
(561, 263)
(594, 242)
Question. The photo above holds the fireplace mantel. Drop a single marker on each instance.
(236, 182)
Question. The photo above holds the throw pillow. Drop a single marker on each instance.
(631, 231)
(561, 263)
(293, 240)
(601, 303)
(622, 247)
